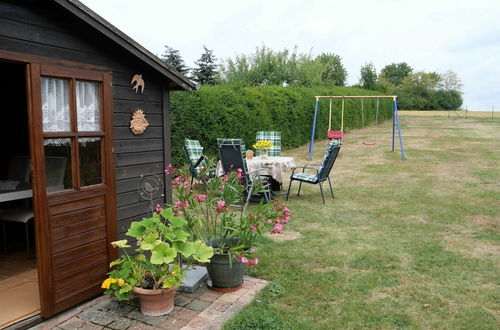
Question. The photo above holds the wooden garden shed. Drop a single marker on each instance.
(71, 83)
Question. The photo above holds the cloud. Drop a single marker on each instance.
(460, 35)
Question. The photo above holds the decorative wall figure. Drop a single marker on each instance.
(138, 83)
(138, 124)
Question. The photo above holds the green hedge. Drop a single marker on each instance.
(239, 112)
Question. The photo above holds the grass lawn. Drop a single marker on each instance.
(405, 244)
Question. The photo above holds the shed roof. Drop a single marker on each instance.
(89, 17)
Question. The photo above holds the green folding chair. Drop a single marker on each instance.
(196, 161)
(321, 171)
(275, 137)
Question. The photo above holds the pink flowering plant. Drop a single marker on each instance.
(215, 212)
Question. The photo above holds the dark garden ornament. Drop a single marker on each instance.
(138, 124)
(138, 83)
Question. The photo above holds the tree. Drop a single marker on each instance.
(172, 57)
(205, 71)
(368, 76)
(396, 72)
(451, 82)
(334, 72)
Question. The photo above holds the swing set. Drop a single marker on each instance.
(339, 135)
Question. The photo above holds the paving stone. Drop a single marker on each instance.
(210, 296)
(143, 326)
(91, 326)
(210, 314)
(195, 277)
(259, 286)
(228, 297)
(182, 300)
(245, 299)
(173, 323)
(122, 323)
(97, 316)
(72, 323)
(198, 323)
(151, 320)
(106, 305)
(186, 314)
(220, 306)
(197, 305)
(248, 285)
(122, 309)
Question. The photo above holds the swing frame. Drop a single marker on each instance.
(376, 122)
(395, 118)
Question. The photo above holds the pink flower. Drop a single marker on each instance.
(178, 204)
(244, 260)
(186, 184)
(277, 220)
(186, 204)
(169, 169)
(239, 174)
(220, 204)
(158, 209)
(277, 228)
(201, 198)
(178, 180)
(286, 218)
(254, 261)
(176, 213)
(253, 228)
(268, 221)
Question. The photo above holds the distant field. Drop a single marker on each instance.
(444, 113)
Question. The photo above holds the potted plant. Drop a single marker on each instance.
(210, 212)
(154, 272)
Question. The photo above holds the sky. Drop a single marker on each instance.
(438, 35)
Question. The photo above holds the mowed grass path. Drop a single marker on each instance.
(405, 244)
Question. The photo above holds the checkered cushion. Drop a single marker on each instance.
(305, 177)
(331, 145)
(275, 137)
(194, 151)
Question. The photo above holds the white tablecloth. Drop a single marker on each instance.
(276, 167)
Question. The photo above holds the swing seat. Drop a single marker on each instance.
(335, 135)
(369, 143)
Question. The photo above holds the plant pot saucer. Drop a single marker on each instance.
(223, 290)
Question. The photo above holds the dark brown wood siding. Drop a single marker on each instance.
(44, 30)
(48, 31)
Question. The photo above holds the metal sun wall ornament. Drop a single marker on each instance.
(138, 124)
(150, 188)
(138, 83)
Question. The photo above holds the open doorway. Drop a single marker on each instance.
(19, 284)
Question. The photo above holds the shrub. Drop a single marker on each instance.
(227, 111)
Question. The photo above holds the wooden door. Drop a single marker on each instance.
(73, 179)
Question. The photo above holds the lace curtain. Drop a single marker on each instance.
(88, 106)
(55, 105)
(56, 112)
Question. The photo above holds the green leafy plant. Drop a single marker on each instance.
(162, 240)
(215, 212)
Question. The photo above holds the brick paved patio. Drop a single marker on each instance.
(203, 309)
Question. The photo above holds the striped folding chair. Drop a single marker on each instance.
(321, 171)
(275, 137)
(196, 160)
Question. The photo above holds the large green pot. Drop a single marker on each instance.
(225, 273)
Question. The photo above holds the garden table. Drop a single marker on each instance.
(275, 167)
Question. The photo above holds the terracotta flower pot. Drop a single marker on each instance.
(156, 302)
